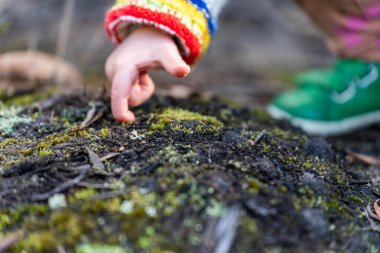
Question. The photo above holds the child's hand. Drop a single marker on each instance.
(146, 48)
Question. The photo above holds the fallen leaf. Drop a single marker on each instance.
(108, 156)
(377, 207)
(371, 217)
(90, 114)
(97, 164)
(39, 67)
(91, 117)
(367, 159)
(371, 213)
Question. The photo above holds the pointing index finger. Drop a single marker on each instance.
(120, 91)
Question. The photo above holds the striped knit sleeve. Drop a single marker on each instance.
(191, 22)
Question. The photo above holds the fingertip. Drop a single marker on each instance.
(181, 70)
(126, 117)
(185, 70)
(130, 117)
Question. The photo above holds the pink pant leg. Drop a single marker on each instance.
(352, 27)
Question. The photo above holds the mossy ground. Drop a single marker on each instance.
(174, 179)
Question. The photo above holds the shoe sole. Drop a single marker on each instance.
(326, 128)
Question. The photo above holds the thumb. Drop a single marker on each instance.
(175, 65)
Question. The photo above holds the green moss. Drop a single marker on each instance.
(100, 248)
(70, 224)
(26, 152)
(84, 194)
(210, 123)
(180, 114)
(180, 128)
(358, 201)
(253, 185)
(30, 98)
(5, 220)
(40, 242)
(45, 152)
(307, 198)
(104, 132)
(44, 146)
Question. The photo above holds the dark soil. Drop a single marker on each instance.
(189, 176)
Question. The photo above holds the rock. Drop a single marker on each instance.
(232, 137)
(315, 183)
(319, 147)
(129, 155)
(313, 221)
(267, 167)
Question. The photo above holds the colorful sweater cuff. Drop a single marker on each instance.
(190, 21)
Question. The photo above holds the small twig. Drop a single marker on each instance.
(108, 156)
(9, 241)
(90, 114)
(209, 155)
(48, 103)
(258, 138)
(85, 167)
(95, 186)
(226, 230)
(367, 159)
(66, 185)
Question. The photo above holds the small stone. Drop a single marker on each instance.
(129, 155)
(314, 182)
(127, 207)
(151, 211)
(319, 147)
(57, 201)
(266, 167)
(232, 137)
(313, 221)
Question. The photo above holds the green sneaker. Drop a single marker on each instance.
(314, 77)
(343, 99)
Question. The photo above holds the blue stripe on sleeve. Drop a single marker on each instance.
(204, 8)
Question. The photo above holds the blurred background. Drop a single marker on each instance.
(259, 47)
